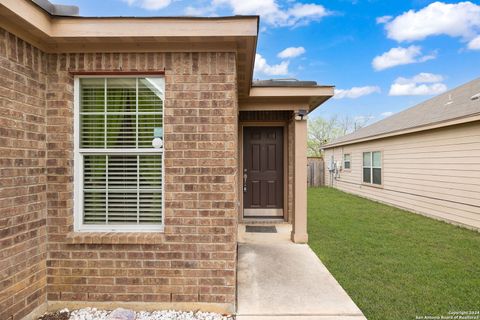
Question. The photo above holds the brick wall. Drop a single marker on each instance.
(194, 259)
(22, 177)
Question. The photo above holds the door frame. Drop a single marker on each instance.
(284, 125)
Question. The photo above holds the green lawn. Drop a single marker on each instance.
(393, 263)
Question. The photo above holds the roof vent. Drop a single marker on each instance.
(450, 101)
(475, 97)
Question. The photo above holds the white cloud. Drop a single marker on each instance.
(452, 19)
(262, 67)
(304, 13)
(474, 44)
(400, 56)
(387, 114)
(272, 13)
(384, 19)
(149, 4)
(413, 89)
(419, 85)
(423, 77)
(356, 92)
(291, 52)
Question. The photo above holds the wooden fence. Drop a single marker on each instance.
(315, 172)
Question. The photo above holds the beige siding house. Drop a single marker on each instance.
(425, 159)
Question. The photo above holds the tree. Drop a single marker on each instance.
(322, 131)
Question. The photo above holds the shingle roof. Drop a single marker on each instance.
(57, 9)
(457, 103)
(283, 83)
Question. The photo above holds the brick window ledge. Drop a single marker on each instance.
(115, 238)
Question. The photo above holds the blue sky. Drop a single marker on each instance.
(382, 55)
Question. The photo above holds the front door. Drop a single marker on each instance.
(263, 171)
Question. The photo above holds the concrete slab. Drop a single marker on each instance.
(280, 279)
(300, 317)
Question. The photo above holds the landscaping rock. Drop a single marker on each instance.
(121, 314)
(125, 314)
(88, 314)
(180, 315)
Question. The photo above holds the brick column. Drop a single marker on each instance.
(23, 209)
(299, 227)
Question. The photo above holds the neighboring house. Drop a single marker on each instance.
(425, 159)
(91, 211)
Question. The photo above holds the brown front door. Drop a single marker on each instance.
(263, 171)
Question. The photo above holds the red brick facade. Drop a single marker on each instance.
(194, 260)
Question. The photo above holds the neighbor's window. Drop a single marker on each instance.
(372, 167)
(347, 161)
(119, 175)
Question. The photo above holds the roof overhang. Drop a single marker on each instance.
(432, 126)
(39, 23)
(67, 34)
(286, 98)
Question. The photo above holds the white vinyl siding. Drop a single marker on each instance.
(118, 175)
(434, 172)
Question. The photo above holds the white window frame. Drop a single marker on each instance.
(349, 161)
(372, 167)
(79, 226)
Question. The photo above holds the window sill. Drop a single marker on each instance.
(115, 238)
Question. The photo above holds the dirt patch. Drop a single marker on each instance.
(55, 316)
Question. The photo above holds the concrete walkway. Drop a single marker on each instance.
(278, 279)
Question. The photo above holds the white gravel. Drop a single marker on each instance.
(89, 314)
(179, 315)
(98, 314)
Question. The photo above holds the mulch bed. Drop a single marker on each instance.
(55, 316)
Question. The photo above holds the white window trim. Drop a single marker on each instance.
(371, 167)
(349, 161)
(78, 225)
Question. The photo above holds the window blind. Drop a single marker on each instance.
(122, 174)
(122, 189)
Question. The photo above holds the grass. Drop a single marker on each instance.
(394, 264)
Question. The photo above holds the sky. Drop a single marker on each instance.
(383, 56)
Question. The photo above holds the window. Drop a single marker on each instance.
(118, 174)
(372, 167)
(346, 161)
